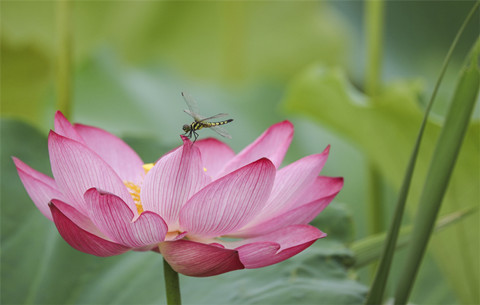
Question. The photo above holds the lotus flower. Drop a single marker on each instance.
(205, 209)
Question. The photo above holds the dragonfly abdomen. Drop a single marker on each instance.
(212, 124)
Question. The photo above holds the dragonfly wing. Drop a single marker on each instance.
(192, 106)
(213, 117)
(194, 115)
(221, 131)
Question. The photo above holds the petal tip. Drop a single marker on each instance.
(185, 139)
(53, 136)
(16, 161)
(287, 125)
(264, 162)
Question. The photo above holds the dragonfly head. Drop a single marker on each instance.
(186, 128)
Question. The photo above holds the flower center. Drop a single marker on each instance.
(134, 189)
(135, 192)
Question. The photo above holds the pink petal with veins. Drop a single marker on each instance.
(115, 219)
(272, 144)
(76, 169)
(323, 186)
(172, 181)
(64, 128)
(197, 259)
(82, 240)
(290, 182)
(121, 157)
(228, 203)
(82, 221)
(299, 215)
(275, 247)
(39, 187)
(215, 155)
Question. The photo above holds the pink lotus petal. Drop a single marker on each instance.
(215, 155)
(197, 259)
(76, 169)
(123, 159)
(82, 240)
(290, 182)
(228, 203)
(82, 221)
(323, 186)
(172, 181)
(272, 144)
(300, 215)
(278, 246)
(64, 128)
(114, 218)
(39, 187)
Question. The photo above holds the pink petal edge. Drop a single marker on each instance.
(77, 168)
(290, 182)
(272, 144)
(277, 246)
(64, 128)
(200, 260)
(115, 219)
(300, 215)
(40, 187)
(113, 150)
(82, 240)
(82, 221)
(215, 155)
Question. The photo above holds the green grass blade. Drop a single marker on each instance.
(439, 173)
(376, 293)
(368, 250)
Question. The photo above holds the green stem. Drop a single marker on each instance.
(172, 285)
(376, 214)
(64, 57)
(374, 11)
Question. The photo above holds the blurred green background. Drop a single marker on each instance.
(261, 62)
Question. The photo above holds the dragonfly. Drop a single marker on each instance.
(201, 121)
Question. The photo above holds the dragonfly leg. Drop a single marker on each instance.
(195, 136)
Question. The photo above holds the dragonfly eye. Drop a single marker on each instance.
(186, 128)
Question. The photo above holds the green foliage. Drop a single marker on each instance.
(385, 129)
(230, 42)
(369, 249)
(39, 267)
(439, 173)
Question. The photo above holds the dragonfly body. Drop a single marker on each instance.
(202, 122)
(192, 128)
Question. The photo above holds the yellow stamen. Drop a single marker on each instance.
(205, 169)
(135, 192)
(148, 166)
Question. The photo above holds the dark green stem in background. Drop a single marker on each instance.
(172, 286)
(374, 11)
(376, 211)
(64, 57)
